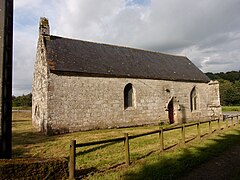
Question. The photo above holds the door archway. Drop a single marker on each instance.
(171, 111)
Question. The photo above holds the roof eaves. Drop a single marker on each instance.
(86, 74)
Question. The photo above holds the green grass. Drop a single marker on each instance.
(107, 160)
(230, 108)
(174, 164)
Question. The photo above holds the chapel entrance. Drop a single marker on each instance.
(171, 111)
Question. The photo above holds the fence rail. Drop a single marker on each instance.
(126, 138)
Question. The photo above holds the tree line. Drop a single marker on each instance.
(229, 86)
(22, 101)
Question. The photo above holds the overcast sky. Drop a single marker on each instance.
(206, 31)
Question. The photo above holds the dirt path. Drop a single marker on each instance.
(224, 167)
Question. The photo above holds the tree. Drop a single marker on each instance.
(24, 100)
(229, 86)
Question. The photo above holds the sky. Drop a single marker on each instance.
(206, 31)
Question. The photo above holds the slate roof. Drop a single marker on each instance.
(94, 59)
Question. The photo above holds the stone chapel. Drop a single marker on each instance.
(80, 85)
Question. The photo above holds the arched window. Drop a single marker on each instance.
(128, 96)
(193, 99)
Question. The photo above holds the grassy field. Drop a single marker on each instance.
(230, 108)
(107, 161)
(22, 108)
(224, 108)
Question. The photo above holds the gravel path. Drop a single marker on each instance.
(224, 167)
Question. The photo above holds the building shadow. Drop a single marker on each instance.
(23, 135)
(165, 167)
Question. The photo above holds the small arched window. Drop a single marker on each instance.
(193, 99)
(128, 96)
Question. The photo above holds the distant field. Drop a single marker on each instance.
(104, 160)
(224, 108)
(230, 108)
(22, 108)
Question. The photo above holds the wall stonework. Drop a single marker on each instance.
(76, 103)
(39, 88)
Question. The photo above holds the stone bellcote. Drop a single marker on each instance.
(44, 28)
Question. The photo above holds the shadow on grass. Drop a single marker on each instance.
(165, 166)
(20, 121)
(24, 135)
(95, 148)
(22, 142)
(24, 138)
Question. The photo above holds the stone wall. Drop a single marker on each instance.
(82, 103)
(214, 108)
(40, 88)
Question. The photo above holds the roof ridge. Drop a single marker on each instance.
(113, 45)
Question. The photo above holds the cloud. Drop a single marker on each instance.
(24, 57)
(206, 31)
(26, 18)
(27, 4)
(219, 53)
(137, 2)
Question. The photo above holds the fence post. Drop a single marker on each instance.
(232, 121)
(227, 122)
(219, 128)
(126, 144)
(183, 135)
(72, 160)
(198, 130)
(161, 139)
(210, 127)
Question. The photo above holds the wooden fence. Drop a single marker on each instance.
(126, 138)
